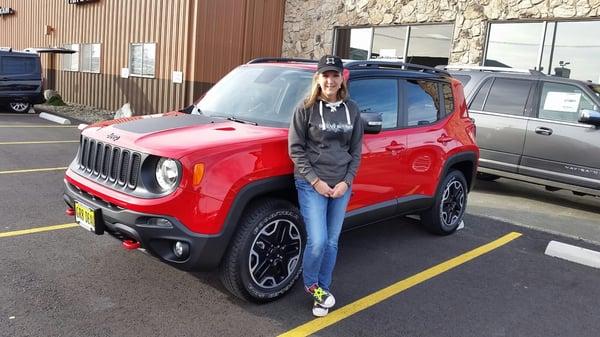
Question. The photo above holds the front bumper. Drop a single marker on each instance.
(205, 251)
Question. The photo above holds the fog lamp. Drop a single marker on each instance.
(181, 249)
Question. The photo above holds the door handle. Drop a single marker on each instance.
(445, 139)
(541, 130)
(395, 147)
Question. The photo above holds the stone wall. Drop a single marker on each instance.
(309, 24)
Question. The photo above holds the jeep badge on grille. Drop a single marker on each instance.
(113, 137)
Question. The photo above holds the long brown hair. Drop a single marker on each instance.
(315, 91)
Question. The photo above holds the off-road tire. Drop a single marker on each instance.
(446, 214)
(235, 270)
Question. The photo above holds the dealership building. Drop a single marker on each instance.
(161, 55)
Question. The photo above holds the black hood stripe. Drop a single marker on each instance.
(149, 125)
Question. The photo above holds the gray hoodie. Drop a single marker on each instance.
(325, 142)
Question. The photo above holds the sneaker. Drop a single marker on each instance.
(324, 298)
(319, 310)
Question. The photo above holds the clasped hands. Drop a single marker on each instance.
(323, 189)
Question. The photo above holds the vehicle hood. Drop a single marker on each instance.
(175, 135)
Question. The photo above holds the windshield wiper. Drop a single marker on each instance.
(234, 119)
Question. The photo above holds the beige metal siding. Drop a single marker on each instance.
(231, 32)
(114, 24)
(203, 38)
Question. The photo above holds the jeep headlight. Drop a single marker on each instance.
(167, 173)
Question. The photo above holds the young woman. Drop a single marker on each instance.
(325, 141)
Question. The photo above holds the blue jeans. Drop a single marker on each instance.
(323, 218)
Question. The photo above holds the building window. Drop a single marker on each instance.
(421, 44)
(90, 57)
(567, 49)
(70, 62)
(142, 59)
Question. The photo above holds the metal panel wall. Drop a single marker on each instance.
(231, 32)
(203, 38)
(114, 24)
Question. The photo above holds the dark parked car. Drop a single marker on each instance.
(20, 80)
(534, 127)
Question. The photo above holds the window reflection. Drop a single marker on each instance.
(427, 44)
(388, 42)
(514, 45)
(575, 43)
(578, 43)
(430, 44)
(377, 96)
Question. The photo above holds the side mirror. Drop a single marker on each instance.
(372, 122)
(591, 117)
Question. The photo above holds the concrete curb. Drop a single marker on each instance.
(54, 118)
(572, 253)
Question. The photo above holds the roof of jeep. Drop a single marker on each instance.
(359, 66)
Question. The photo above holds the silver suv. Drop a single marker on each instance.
(535, 128)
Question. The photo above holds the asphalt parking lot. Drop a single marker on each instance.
(393, 279)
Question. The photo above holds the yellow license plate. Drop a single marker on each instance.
(85, 217)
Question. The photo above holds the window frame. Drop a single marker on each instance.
(130, 59)
(80, 52)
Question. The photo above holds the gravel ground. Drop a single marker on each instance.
(80, 112)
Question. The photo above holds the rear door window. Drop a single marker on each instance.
(422, 102)
(13, 65)
(378, 95)
(508, 96)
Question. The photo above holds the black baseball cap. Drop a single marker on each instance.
(330, 62)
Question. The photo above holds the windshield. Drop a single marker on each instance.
(265, 95)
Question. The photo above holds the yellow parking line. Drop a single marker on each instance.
(37, 230)
(396, 288)
(34, 170)
(40, 142)
(37, 126)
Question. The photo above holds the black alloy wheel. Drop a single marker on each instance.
(275, 253)
(450, 204)
(264, 259)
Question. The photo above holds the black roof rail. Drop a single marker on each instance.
(280, 60)
(398, 65)
(491, 69)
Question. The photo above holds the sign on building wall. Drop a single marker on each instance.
(6, 11)
(78, 2)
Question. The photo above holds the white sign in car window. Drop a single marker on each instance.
(562, 101)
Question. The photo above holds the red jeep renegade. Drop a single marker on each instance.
(213, 187)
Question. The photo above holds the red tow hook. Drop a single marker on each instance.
(131, 244)
(69, 211)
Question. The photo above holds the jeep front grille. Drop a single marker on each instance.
(109, 164)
